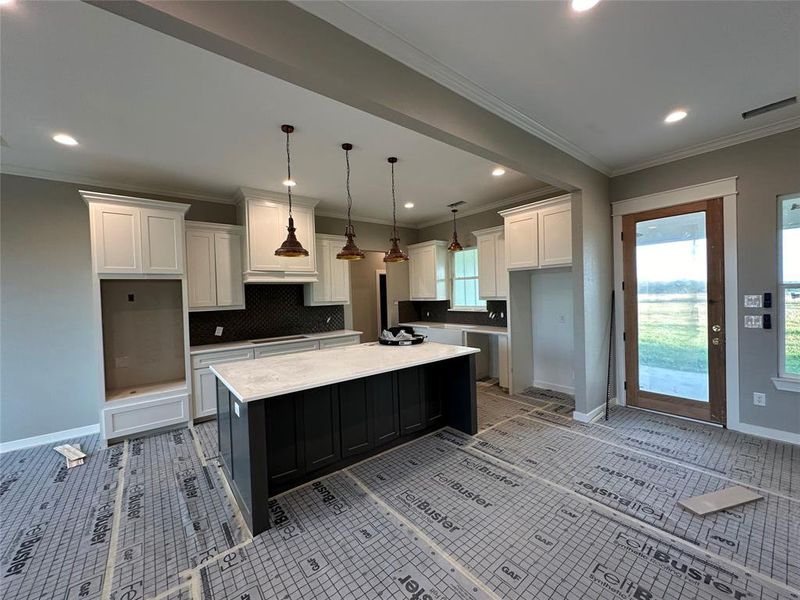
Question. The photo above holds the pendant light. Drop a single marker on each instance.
(395, 254)
(291, 247)
(350, 251)
(455, 246)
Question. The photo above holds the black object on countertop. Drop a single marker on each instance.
(417, 339)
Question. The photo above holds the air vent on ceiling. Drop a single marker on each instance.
(749, 114)
(454, 204)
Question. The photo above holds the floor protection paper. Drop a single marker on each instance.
(206, 433)
(528, 539)
(763, 536)
(175, 515)
(55, 535)
(332, 540)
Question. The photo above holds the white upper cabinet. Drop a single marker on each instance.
(539, 235)
(492, 274)
(333, 283)
(135, 236)
(265, 216)
(214, 266)
(427, 270)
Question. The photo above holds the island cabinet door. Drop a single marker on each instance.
(285, 443)
(355, 416)
(432, 380)
(382, 394)
(411, 399)
(321, 427)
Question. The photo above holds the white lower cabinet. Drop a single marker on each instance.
(277, 349)
(350, 340)
(123, 418)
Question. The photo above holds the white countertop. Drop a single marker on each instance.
(278, 340)
(462, 326)
(283, 374)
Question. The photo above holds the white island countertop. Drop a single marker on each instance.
(278, 375)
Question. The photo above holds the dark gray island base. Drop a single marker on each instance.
(270, 445)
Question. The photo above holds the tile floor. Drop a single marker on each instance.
(535, 506)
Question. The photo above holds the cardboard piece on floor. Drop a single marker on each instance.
(719, 500)
(73, 454)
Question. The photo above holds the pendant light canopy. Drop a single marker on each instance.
(350, 251)
(455, 246)
(291, 247)
(395, 254)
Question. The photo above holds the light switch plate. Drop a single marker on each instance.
(236, 408)
(752, 300)
(218, 331)
(752, 321)
(759, 399)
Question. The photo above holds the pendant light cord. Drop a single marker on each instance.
(394, 207)
(289, 173)
(349, 197)
(454, 220)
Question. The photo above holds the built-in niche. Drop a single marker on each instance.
(143, 333)
(553, 356)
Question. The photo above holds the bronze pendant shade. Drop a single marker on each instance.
(395, 254)
(292, 246)
(455, 246)
(350, 251)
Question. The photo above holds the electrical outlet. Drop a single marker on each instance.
(752, 301)
(218, 331)
(562, 319)
(752, 321)
(759, 399)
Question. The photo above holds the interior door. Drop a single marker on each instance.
(675, 310)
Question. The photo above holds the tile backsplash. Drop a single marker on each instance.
(271, 311)
(438, 312)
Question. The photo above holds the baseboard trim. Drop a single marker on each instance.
(590, 417)
(546, 385)
(766, 432)
(49, 438)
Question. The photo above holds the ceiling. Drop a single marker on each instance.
(155, 114)
(598, 84)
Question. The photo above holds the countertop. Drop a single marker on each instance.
(273, 376)
(289, 339)
(463, 326)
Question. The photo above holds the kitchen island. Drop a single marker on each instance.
(285, 420)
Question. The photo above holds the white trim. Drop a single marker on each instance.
(344, 16)
(540, 192)
(786, 384)
(690, 193)
(564, 198)
(111, 184)
(591, 416)
(204, 225)
(546, 385)
(49, 438)
(711, 145)
(712, 189)
(767, 432)
(89, 197)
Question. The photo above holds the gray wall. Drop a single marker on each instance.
(765, 168)
(48, 363)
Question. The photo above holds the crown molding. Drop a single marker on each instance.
(711, 145)
(111, 184)
(342, 15)
(534, 194)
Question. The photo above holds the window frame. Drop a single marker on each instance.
(453, 279)
(782, 287)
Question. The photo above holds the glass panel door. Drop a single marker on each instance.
(675, 310)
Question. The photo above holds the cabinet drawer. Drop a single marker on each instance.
(200, 361)
(286, 348)
(350, 340)
(145, 415)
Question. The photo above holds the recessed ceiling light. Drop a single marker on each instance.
(499, 171)
(65, 139)
(409, 205)
(583, 5)
(289, 182)
(7, 3)
(675, 116)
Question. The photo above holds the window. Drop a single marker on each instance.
(789, 285)
(465, 281)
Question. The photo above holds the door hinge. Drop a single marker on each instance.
(624, 339)
(625, 385)
(623, 286)
(622, 236)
